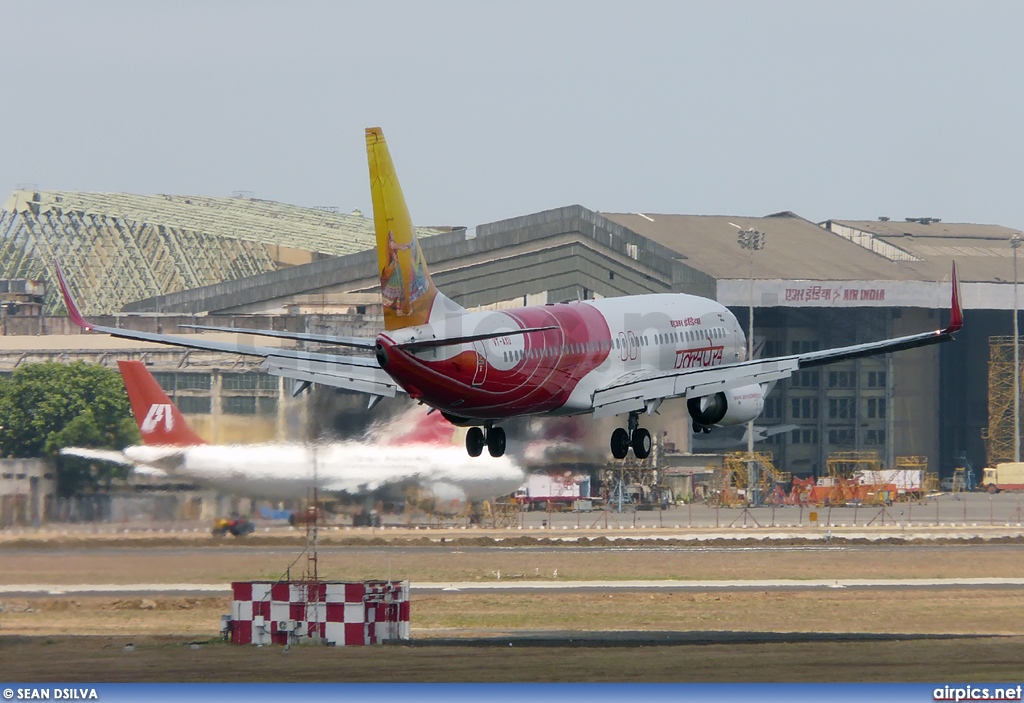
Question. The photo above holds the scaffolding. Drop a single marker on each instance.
(750, 480)
(999, 435)
(929, 482)
(844, 465)
(503, 513)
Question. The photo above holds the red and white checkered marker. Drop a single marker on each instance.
(367, 612)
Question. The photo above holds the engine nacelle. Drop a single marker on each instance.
(732, 407)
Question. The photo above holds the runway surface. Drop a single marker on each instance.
(224, 589)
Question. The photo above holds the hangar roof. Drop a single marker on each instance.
(798, 249)
(118, 247)
(982, 252)
(795, 248)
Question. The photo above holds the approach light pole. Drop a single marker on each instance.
(1015, 245)
(752, 240)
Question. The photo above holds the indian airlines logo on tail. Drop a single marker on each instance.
(158, 412)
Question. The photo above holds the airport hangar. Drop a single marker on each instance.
(814, 286)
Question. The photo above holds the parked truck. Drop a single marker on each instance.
(1008, 476)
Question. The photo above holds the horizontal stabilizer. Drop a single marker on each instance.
(355, 342)
(467, 339)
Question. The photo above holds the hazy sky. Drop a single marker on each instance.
(829, 109)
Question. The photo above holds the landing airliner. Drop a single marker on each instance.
(615, 356)
(423, 458)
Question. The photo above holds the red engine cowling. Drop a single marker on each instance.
(732, 407)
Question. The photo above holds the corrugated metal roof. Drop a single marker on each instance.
(798, 249)
(795, 248)
(119, 247)
(982, 252)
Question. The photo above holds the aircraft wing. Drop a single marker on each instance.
(645, 390)
(114, 457)
(357, 373)
(111, 455)
(641, 390)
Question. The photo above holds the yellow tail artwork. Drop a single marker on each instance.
(405, 284)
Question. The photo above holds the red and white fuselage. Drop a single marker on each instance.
(557, 371)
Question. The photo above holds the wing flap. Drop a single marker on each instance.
(362, 379)
(634, 392)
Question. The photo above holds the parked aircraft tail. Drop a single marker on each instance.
(410, 297)
(160, 422)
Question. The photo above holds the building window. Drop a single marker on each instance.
(802, 347)
(267, 405)
(842, 379)
(874, 437)
(249, 382)
(239, 405)
(806, 379)
(194, 405)
(773, 408)
(876, 379)
(842, 408)
(803, 437)
(805, 408)
(876, 408)
(841, 437)
(166, 380)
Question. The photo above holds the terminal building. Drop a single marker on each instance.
(813, 285)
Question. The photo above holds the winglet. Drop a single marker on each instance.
(956, 311)
(69, 302)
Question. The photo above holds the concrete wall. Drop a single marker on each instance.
(27, 486)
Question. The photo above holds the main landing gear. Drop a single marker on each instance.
(494, 441)
(636, 437)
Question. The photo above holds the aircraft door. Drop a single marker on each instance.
(480, 375)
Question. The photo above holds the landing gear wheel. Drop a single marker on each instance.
(475, 441)
(641, 442)
(496, 441)
(620, 443)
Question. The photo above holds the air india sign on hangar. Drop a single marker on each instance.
(864, 294)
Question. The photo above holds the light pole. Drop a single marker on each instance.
(1015, 245)
(752, 240)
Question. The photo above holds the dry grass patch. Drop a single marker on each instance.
(103, 659)
(223, 564)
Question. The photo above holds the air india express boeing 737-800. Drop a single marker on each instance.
(615, 356)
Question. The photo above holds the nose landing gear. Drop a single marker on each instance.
(494, 440)
(636, 437)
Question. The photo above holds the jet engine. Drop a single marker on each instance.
(731, 407)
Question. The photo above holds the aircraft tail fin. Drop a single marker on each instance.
(410, 297)
(160, 422)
